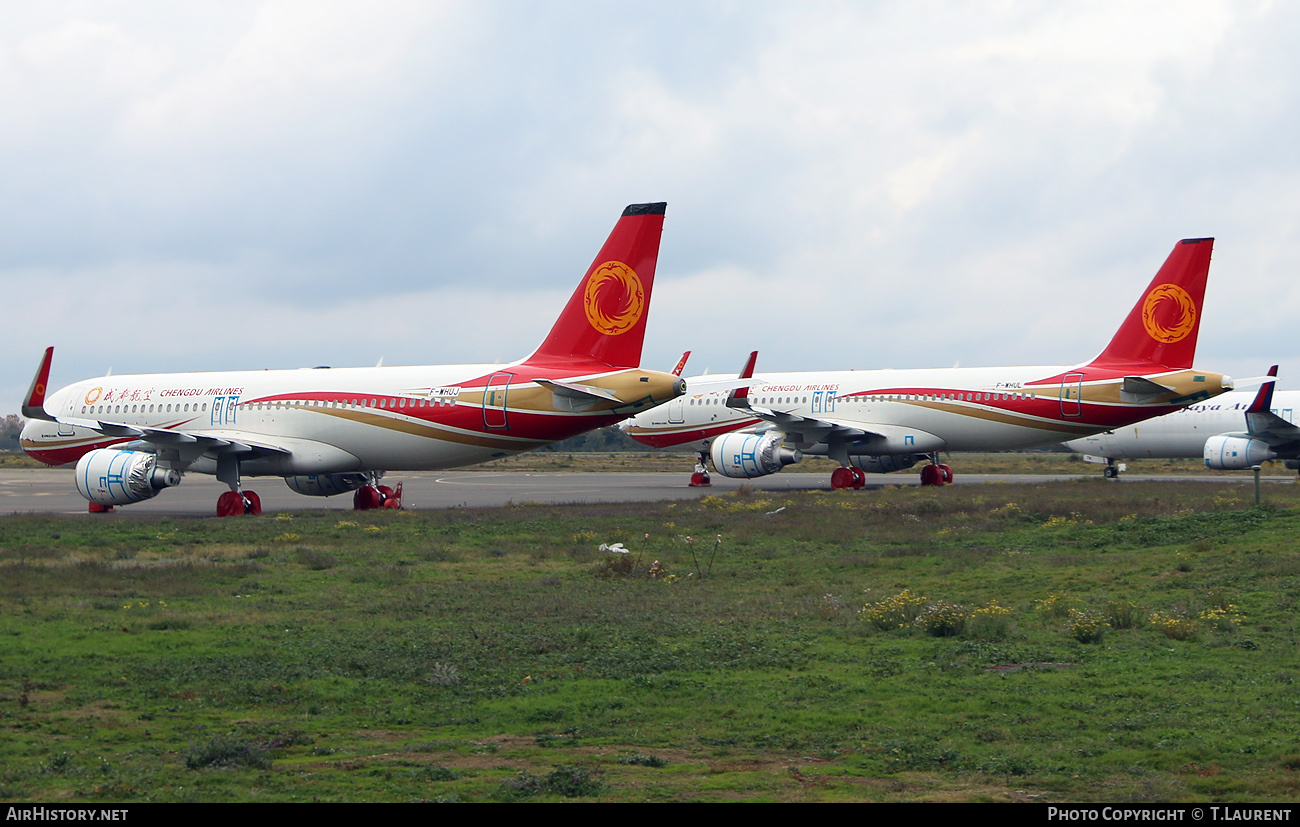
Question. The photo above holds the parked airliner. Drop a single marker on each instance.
(887, 420)
(330, 431)
(1231, 433)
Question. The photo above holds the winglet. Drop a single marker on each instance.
(1161, 328)
(739, 398)
(1264, 399)
(681, 364)
(34, 402)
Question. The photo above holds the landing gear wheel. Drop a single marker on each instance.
(931, 475)
(1110, 472)
(366, 498)
(252, 503)
(96, 508)
(230, 504)
(394, 498)
(947, 474)
(859, 478)
(700, 479)
(843, 478)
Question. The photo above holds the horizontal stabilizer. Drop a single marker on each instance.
(1139, 389)
(572, 390)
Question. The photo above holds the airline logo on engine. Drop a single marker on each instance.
(614, 298)
(1166, 303)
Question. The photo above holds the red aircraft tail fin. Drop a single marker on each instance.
(1161, 328)
(604, 321)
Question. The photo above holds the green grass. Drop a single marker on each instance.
(496, 655)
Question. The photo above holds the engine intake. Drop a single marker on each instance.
(110, 477)
(1235, 453)
(745, 456)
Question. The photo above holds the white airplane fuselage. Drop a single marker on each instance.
(920, 411)
(1183, 433)
(332, 420)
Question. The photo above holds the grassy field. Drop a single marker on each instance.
(1072, 641)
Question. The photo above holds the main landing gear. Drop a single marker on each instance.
(700, 479)
(936, 474)
(369, 497)
(236, 501)
(848, 477)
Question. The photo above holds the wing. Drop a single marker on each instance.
(1263, 424)
(804, 432)
(181, 448)
(842, 437)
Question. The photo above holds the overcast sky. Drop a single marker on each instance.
(190, 186)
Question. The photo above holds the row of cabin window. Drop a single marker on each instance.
(999, 396)
(179, 408)
(197, 407)
(349, 403)
(902, 397)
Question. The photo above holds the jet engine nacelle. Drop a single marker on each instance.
(109, 477)
(1235, 453)
(745, 456)
(885, 464)
(326, 485)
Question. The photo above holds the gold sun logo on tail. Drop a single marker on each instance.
(614, 298)
(1171, 302)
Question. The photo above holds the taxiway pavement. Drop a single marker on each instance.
(51, 491)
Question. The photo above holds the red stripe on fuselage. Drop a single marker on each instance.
(1039, 405)
(68, 455)
(669, 440)
(550, 426)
